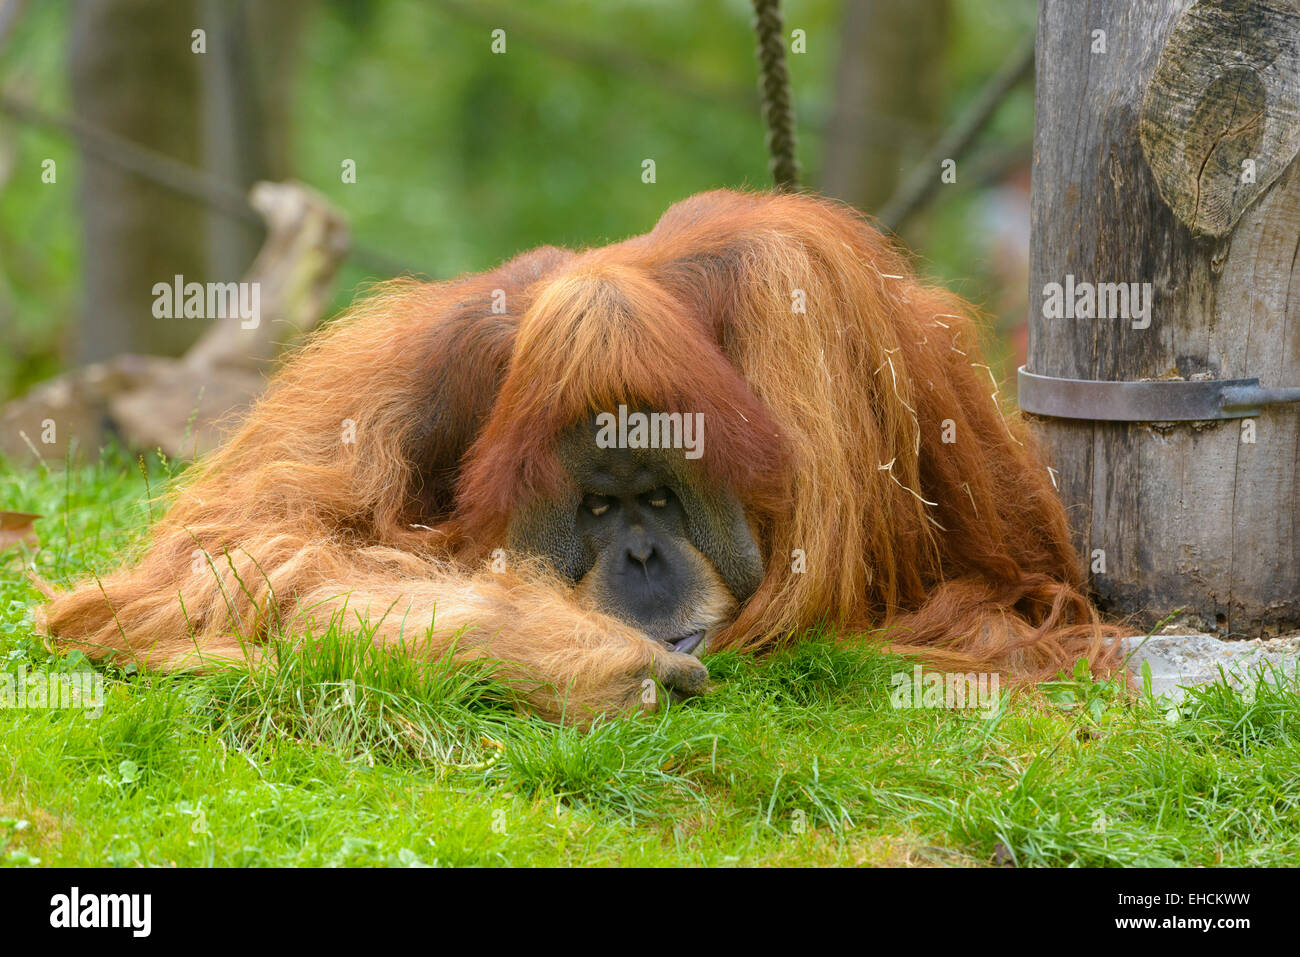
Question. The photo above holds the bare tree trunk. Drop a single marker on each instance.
(182, 405)
(247, 104)
(133, 74)
(1165, 155)
(225, 110)
(888, 96)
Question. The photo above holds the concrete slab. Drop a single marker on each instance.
(1191, 659)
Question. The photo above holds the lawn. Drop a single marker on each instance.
(342, 757)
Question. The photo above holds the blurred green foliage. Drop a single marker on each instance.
(465, 157)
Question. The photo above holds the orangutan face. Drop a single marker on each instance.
(645, 540)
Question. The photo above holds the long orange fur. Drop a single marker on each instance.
(384, 462)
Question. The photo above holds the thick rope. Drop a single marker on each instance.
(774, 88)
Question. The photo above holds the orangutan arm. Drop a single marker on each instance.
(319, 506)
(177, 613)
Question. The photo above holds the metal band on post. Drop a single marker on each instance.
(1160, 401)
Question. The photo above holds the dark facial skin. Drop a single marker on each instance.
(635, 525)
(646, 540)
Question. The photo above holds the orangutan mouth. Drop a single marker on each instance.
(687, 645)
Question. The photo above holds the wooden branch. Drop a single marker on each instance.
(177, 405)
(169, 173)
(921, 185)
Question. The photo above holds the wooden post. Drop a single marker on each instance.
(1165, 154)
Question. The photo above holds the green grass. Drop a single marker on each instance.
(343, 757)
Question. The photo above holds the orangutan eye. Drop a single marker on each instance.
(658, 498)
(596, 504)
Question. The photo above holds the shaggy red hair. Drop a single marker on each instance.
(829, 422)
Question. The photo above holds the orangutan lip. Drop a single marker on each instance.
(687, 645)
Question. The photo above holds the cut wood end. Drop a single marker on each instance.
(1220, 119)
